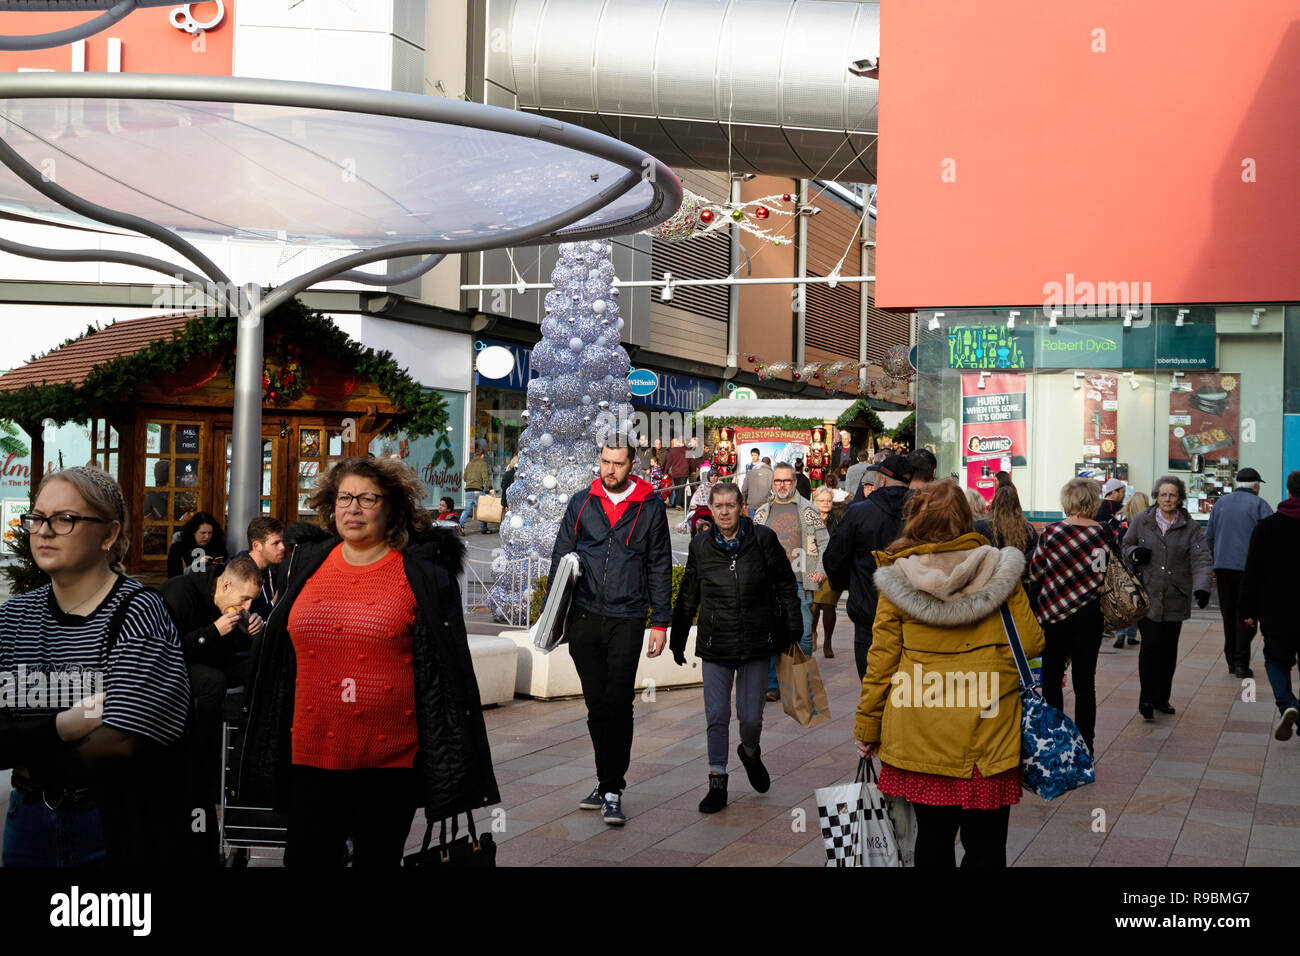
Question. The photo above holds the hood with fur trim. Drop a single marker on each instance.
(951, 584)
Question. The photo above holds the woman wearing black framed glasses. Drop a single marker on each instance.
(89, 753)
(364, 703)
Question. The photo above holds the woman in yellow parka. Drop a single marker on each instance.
(940, 699)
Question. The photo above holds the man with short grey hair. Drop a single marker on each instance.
(802, 532)
(1232, 520)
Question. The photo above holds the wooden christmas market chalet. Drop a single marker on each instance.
(158, 393)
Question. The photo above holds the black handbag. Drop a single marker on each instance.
(470, 850)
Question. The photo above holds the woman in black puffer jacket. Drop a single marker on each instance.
(740, 582)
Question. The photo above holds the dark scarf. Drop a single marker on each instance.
(732, 548)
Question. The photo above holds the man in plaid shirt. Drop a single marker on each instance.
(1069, 565)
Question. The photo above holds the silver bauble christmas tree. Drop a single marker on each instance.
(578, 401)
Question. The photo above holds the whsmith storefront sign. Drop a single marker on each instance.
(675, 393)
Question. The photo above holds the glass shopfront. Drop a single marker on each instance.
(439, 460)
(1190, 391)
(498, 404)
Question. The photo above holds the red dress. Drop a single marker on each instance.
(933, 790)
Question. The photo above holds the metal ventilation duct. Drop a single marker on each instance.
(748, 85)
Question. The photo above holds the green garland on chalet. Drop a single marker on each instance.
(742, 421)
(115, 383)
(862, 407)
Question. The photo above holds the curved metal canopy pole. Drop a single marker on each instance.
(46, 41)
(514, 237)
(69, 200)
(123, 258)
(397, 278)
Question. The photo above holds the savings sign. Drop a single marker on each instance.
(993, 418)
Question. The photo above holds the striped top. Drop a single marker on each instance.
(145, 681)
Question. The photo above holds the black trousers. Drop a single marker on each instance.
(373, 807)
(983, 836)
(1078, 639)
(1157, 659)
(861, 644)
(606, 651)
(1237, 634)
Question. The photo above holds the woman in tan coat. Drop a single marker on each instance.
(940, 700)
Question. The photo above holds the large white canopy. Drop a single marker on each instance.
(307, 162)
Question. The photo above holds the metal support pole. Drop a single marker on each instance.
(244, 502)
(801, 271)
(864, 302)
(733, 292)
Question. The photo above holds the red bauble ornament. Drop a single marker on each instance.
(750, 359)
(797, 376)
(271, 395)
(785, 196)
(817, 374)
(761, 212)
(706, 216)
(873, 391)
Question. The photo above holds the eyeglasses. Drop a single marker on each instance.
(783, 481)
(367, 500)
(59, 524)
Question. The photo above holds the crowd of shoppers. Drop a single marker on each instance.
(369, 589)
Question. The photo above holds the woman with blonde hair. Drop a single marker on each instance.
(364, 704)
(978, 507)
(1136, 504)
(942, 590)
(93, 785)
(1069, 565)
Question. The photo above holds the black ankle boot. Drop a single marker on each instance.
(754, 769)
(717, 795)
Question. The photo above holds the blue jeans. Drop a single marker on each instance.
(805, 642)
(471, 502)
(35, 835)
(1279, 659)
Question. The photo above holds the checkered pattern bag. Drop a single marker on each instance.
(855, 825)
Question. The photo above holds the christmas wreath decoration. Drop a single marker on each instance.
(283, 378)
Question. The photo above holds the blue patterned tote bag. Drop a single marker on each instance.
(1053, 757)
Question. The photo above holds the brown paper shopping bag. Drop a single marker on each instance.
(802, 695)
(489, 509)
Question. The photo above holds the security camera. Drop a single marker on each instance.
(868, 66)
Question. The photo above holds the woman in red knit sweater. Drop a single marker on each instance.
(366, 679)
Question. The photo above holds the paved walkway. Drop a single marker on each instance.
(1207, 786)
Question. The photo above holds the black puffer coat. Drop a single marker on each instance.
(737, 601)
(454, 762)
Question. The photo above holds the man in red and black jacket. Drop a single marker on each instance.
(619, 529)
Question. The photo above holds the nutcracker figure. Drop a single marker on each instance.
(724, 456)
(819, 458)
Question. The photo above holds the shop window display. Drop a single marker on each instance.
(1194, 391)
